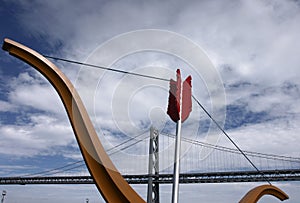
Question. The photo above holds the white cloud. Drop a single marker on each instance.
(39, 136)
(268, 137)
(6, 106)
(34, 92)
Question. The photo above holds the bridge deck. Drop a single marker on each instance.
(220, 177)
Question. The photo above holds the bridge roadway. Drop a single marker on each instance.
(215, 177)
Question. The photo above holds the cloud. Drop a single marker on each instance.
(250, 37)
(250, 62)
(274, 134)
(6, 106)
(225, 30)
(40, 135)
(34, 92)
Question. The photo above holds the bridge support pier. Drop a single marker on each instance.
(153, 169)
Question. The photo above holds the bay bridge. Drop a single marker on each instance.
(220, 165)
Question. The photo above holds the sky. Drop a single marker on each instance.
(248, 57)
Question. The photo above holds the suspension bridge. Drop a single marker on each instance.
(220, 165)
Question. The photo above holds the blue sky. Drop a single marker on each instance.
(253, 45)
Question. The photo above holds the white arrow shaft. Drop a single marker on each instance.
(175, 190)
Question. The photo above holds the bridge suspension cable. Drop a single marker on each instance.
(235, 151)
(195, 142)
(75, 165)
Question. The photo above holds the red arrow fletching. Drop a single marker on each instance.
(186, 98)
(175, 97)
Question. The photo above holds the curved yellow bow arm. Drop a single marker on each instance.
(256, 193)
(108, 180)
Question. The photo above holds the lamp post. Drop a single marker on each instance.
(3, 195)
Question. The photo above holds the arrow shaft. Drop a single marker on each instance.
(175, 189)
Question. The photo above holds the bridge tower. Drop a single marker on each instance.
(153, 169)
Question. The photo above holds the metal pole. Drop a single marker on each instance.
(3, 195)
(150, 167)
(175, 189)
(153, 188)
